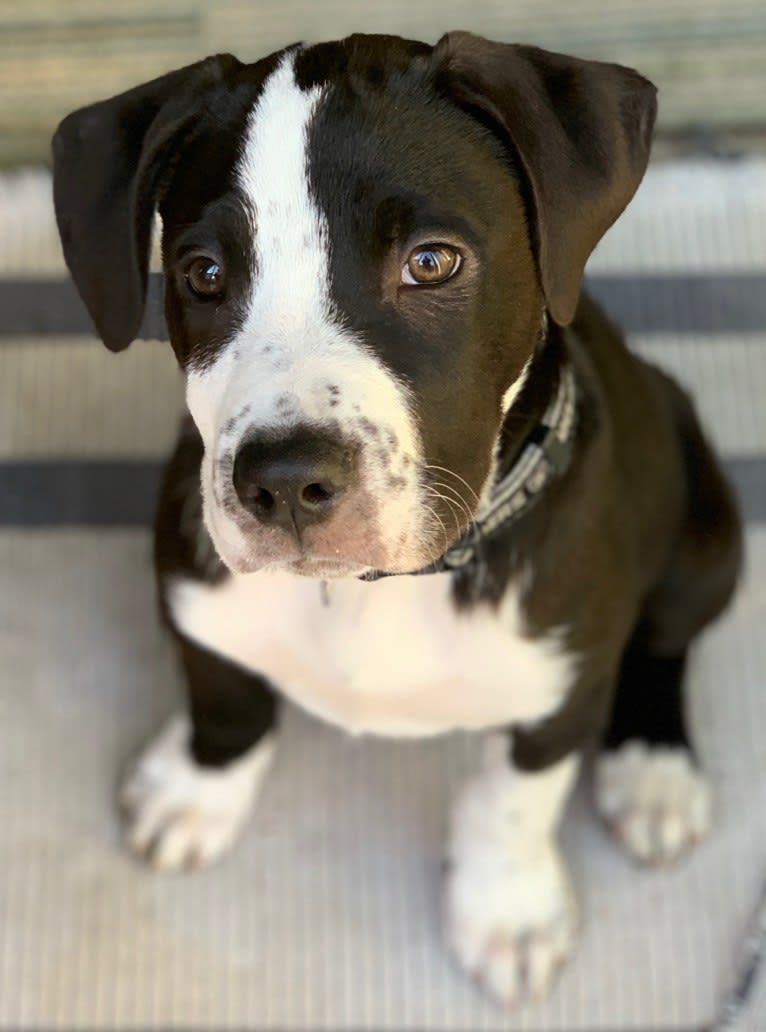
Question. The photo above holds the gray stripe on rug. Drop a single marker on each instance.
(123, 493)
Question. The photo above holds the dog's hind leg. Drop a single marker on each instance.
(190, 792)
(649, 787)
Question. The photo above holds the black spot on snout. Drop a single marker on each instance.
(368, 427)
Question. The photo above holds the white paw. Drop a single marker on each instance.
(654, 799)
(179, 815)
(510, 912)
(511, 928)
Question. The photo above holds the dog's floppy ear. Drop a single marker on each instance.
(109, 160)
(581, 131)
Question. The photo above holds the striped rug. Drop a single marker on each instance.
(326, 916)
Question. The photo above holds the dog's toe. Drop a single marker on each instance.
(515, 966)
(179, 815)
(654, 799)
(182, 840)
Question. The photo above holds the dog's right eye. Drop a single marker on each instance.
(205, 278)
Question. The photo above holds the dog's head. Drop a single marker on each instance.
(359, 242)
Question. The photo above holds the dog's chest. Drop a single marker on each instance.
(391, 657)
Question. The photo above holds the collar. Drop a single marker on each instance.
(545, 455)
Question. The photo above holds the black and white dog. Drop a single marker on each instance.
(422, 487)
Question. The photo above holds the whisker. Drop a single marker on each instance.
(450, 501)
(463, 520)
(438, 518)
(471, 524)
(449, 472)
(458, 500)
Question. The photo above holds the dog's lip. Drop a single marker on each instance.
(325, 566)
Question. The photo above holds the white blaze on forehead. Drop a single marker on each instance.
(291, 254)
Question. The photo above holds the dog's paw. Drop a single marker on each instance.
(510, 912)
(654, 799)
(179, 815)
(511, 928)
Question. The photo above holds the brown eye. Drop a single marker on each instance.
(205, 278)
(432, 264)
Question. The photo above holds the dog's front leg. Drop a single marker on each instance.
(510, 909)
(188, 795)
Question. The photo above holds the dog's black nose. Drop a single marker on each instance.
(292, 481)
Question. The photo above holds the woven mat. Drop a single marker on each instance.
(326, 916)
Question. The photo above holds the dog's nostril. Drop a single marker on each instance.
(316, 494)
(263, 500)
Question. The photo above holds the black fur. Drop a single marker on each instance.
(230, 708)
(658, 717)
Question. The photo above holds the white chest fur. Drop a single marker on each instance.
(392, 657)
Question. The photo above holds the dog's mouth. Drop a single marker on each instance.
(351, 550)
(324, 568)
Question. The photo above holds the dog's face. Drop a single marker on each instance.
(373, 296)
(359, 244)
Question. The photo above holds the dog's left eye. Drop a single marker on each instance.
(435, 263)
(205, 278)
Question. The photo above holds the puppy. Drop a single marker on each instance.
(424, 485)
